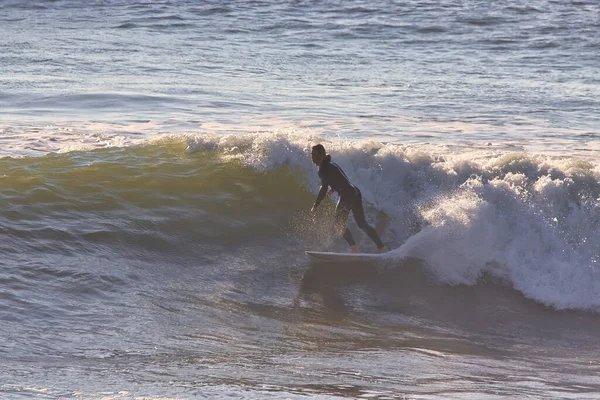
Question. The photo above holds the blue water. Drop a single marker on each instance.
(155, 183)
(449, 71)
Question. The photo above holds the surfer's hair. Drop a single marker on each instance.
(320, 149)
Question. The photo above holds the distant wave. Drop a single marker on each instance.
(127, 25)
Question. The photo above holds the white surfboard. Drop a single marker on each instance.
(326, 256)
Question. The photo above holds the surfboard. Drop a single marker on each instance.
(326, 256)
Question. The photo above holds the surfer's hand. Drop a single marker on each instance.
(313, 212)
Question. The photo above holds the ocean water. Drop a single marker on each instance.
(155, 183)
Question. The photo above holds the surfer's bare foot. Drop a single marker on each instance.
(383, 250)
(355, 248)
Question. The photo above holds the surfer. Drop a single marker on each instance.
(350, 198)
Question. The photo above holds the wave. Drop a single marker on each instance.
(136, 200)
(529, 222)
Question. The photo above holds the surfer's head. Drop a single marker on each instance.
(317, 153)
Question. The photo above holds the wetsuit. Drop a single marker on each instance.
(331, 175)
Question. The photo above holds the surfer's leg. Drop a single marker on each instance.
(361, 221)
(341, 217)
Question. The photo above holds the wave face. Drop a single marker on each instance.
(145, 199)
(527, 222)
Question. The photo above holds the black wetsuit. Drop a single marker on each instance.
(331, 175)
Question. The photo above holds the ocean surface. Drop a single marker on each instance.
(155, 183)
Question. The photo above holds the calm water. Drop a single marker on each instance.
(515, 72)
(155, 183)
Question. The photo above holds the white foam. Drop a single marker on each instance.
(41, 140)
(539, 239)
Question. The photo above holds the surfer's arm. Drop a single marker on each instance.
(320, 196)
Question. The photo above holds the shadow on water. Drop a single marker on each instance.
(407, 293)
(327, 281)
